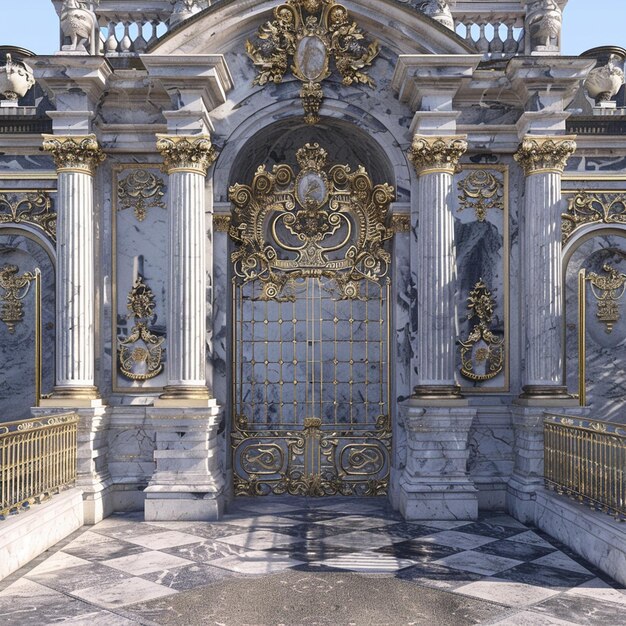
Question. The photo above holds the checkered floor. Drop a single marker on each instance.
(105, 574)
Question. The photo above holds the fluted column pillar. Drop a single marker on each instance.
(435, 160)
(76, 159)
(543, 159)
(187, 159)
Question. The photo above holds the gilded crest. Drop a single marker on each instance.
(308, 37)
(140, 354)
(482, 353)
(322, 221)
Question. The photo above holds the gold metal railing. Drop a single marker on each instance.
(37, 460)
(586, 460)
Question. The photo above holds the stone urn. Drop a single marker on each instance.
(439, 10)
(16, 78)
(606, 79)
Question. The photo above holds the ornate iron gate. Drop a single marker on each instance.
(311, 335)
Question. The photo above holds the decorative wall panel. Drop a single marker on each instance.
(481, 211)
(139, 277)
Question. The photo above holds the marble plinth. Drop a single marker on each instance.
(434, 483)
(592, 534)
(188, 482)
(25, 536)
(527, 477)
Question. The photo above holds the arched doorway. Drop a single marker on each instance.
(311, 349)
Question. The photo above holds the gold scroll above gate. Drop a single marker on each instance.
(320, 222)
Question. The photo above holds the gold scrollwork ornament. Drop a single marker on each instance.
(482, 191)
(141, 353)
(31, 208)
(306, 35)
(482, 350)
(16, 288)
(608, 289)
(324, 221)
(592, 208)
(140, 190)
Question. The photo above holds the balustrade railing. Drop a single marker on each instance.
(586, 460)
(37, 460)
(492, 35)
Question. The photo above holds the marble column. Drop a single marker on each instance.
(543, 159)
(76, 159)
(434, 255)
(187, 159)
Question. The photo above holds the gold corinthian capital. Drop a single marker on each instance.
(545, 153)
(74, 153)
(186, 153)
(430, 155)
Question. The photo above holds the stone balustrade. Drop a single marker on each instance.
(493, 27)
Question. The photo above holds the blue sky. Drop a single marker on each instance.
(33, 24)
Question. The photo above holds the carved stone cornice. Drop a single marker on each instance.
(71, 153)
(430, 155)
(186, 153)
(545, 153)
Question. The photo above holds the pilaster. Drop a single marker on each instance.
(435, 160)
(543, 159)
(186, 159)
(76, 159)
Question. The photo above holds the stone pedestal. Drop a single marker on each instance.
(187, 159)
(435, 483)
(543, 159)
(188, 482)
(76, 158)
(527, 478)
(434, 257)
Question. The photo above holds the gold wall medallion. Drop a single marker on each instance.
(607, 289)
(29, 207)
(481, 191)
(16, 288)
(140, 354)
(311, 358)
(482, 353)
(140, 190)
(590, 207)
(305, 36)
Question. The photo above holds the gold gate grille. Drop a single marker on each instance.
(311, 335)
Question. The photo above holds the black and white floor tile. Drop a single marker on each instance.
(127, 571)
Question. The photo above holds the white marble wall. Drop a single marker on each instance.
(605, 352)
(17, 350)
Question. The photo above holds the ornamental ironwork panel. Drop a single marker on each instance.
(311, 334)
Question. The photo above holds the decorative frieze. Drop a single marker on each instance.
(29, 207)
(592, 208)
(140, 190)
(539, 153)
(186, 153)
(80, 153)
(401, 223)
(437, 154)
(481, 191)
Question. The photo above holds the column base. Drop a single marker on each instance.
(73, 397)
(437, 392)
(182, 507)
(175, 396)
(444, 502)
(545, 392)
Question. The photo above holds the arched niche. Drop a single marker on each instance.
(28, 252)
(605, 349)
